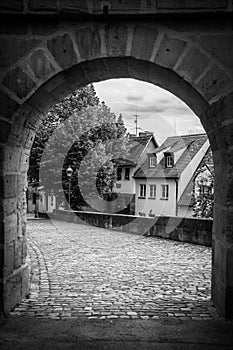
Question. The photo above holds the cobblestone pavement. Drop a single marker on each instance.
(89, 272)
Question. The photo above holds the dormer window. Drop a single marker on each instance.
(169, 160)
(152, 161)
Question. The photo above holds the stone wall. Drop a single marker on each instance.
(197, 231)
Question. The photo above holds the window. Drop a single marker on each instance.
(119, 171)
(142, 191)
(152, 191)
(169, 161)
(152, 161)
(127, 173)
(165, 191)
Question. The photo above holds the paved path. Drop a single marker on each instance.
(89, 272)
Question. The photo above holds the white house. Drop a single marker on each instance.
(140, 148)
(161, 183)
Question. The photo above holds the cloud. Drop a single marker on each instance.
(157, 109)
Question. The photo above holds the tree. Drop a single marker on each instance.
(60, 112)
(90, 141)
(203, 194)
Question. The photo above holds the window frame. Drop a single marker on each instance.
(127, 177)
(142, 191)
(119, 173)
(152, 191)
(169, 161)
(152, 161)
(164, 191)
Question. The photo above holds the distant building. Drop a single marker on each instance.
(142, 148)
(164, 184)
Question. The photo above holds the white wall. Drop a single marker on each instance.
(157, 206)
(185, 212)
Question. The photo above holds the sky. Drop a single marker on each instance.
(158, 110)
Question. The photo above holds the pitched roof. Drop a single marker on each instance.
(191, 145)
(136, 146)
(186, 197)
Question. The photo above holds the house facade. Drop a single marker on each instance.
(141, 148)
(161, 184)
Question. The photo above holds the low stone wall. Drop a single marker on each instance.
(191, 230)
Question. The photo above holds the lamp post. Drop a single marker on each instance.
(69, 172)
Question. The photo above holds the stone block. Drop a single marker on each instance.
(169, 51)
(8, 106)
(12, 49)
(25, 281)
(9, 256)
(143, 41)
(39, 5)
(19, 82)
(61, 47)
(76, 77)
(213, 83)
(89, 42)
(10, 228)
(18, 260)
(220, 47)
(116, 39)
(96, 70)
(74, 6)
(11, 159)
(117, 67)
(192, 65)
(138, 69)
(10, 187)
(44, 27)
(187, 4)
(12, 291)
(40, 64)
(12, 6)
(5, 128)
(16, 28)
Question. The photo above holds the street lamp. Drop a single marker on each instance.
(69, 172)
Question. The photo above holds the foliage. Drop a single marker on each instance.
(78, 100)
(89, 142)
(203, 195)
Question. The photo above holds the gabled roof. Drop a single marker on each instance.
(136, 146)
(191, 145)
(186, 197)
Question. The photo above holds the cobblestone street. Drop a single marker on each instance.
(89, 272)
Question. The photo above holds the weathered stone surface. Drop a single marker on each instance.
(44, 28)
(197, 4)
(9, 258)
(12, 291)
(62, 50)
(192, 65)
(4, 130)
(115, 39)
(19, 82)
(213, 83)
(38, 5)
(8, 106)
(89, 42)
(18, 259)
(74, 5)
(169, 51)
(143, 41)
(220, 46)
(13, 5)
(10, 186)
(12, 49)
(40, 64)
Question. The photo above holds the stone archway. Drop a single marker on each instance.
(43, 62)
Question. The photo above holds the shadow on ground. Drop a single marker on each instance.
(31, 333)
